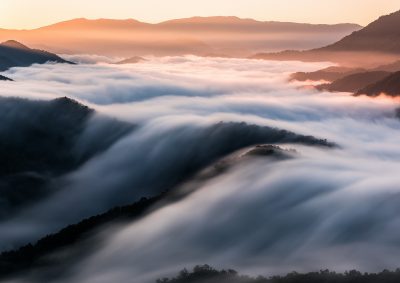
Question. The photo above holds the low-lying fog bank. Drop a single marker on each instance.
(166, 119)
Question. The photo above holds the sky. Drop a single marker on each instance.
(27, 14)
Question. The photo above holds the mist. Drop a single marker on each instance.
(333, 204)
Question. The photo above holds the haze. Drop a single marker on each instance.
(260, 136)
(17, 14)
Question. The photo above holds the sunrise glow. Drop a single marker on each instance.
(19, 13)
(214, 141)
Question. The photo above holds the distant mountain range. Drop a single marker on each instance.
(49, 126)
(222, 36)
(132, 60)
(15, 54)
(376, 44)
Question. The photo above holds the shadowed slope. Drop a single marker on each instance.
(382, 35)
(46, 254)
(3, 78)
(327, 74)
(354, 82)
(40, 254)
(390, 85)
(39, 141)
(15, 54)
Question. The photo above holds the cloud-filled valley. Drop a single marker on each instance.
(162, 124)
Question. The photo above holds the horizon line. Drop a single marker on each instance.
(175, 19)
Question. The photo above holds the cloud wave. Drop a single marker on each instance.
(325, 208)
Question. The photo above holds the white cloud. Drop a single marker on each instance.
(324, 209)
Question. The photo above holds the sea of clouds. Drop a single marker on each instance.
(336, 208)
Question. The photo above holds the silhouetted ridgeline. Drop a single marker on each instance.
(207, 274)
(64, 134)
(44, 253)
(327, 74)
(3, 78)
(15, 54)
(31, 257)
(381, 35)
(354, 82)
(36, 255)
(390, 85)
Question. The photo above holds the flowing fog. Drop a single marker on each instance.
(326, 207)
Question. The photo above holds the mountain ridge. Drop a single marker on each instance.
(199, 19)
(3, 78)
(231, 36)
(379, 39)
(384, 28)
(16, 54)
(389, 85)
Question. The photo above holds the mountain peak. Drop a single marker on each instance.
(14, 44)
(387, 23)
(382, 35)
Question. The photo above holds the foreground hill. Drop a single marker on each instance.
(225, 36)
(384, 79)
(55, 130)
(66, 142)
(390, 85)
(33, 256)
(47, 253)
(207, 274)
(377, 43)
(15, 54)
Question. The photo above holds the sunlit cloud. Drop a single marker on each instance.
(260, 215)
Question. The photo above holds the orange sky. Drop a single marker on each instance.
(35, 13)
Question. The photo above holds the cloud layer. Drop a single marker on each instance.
(326, 208)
